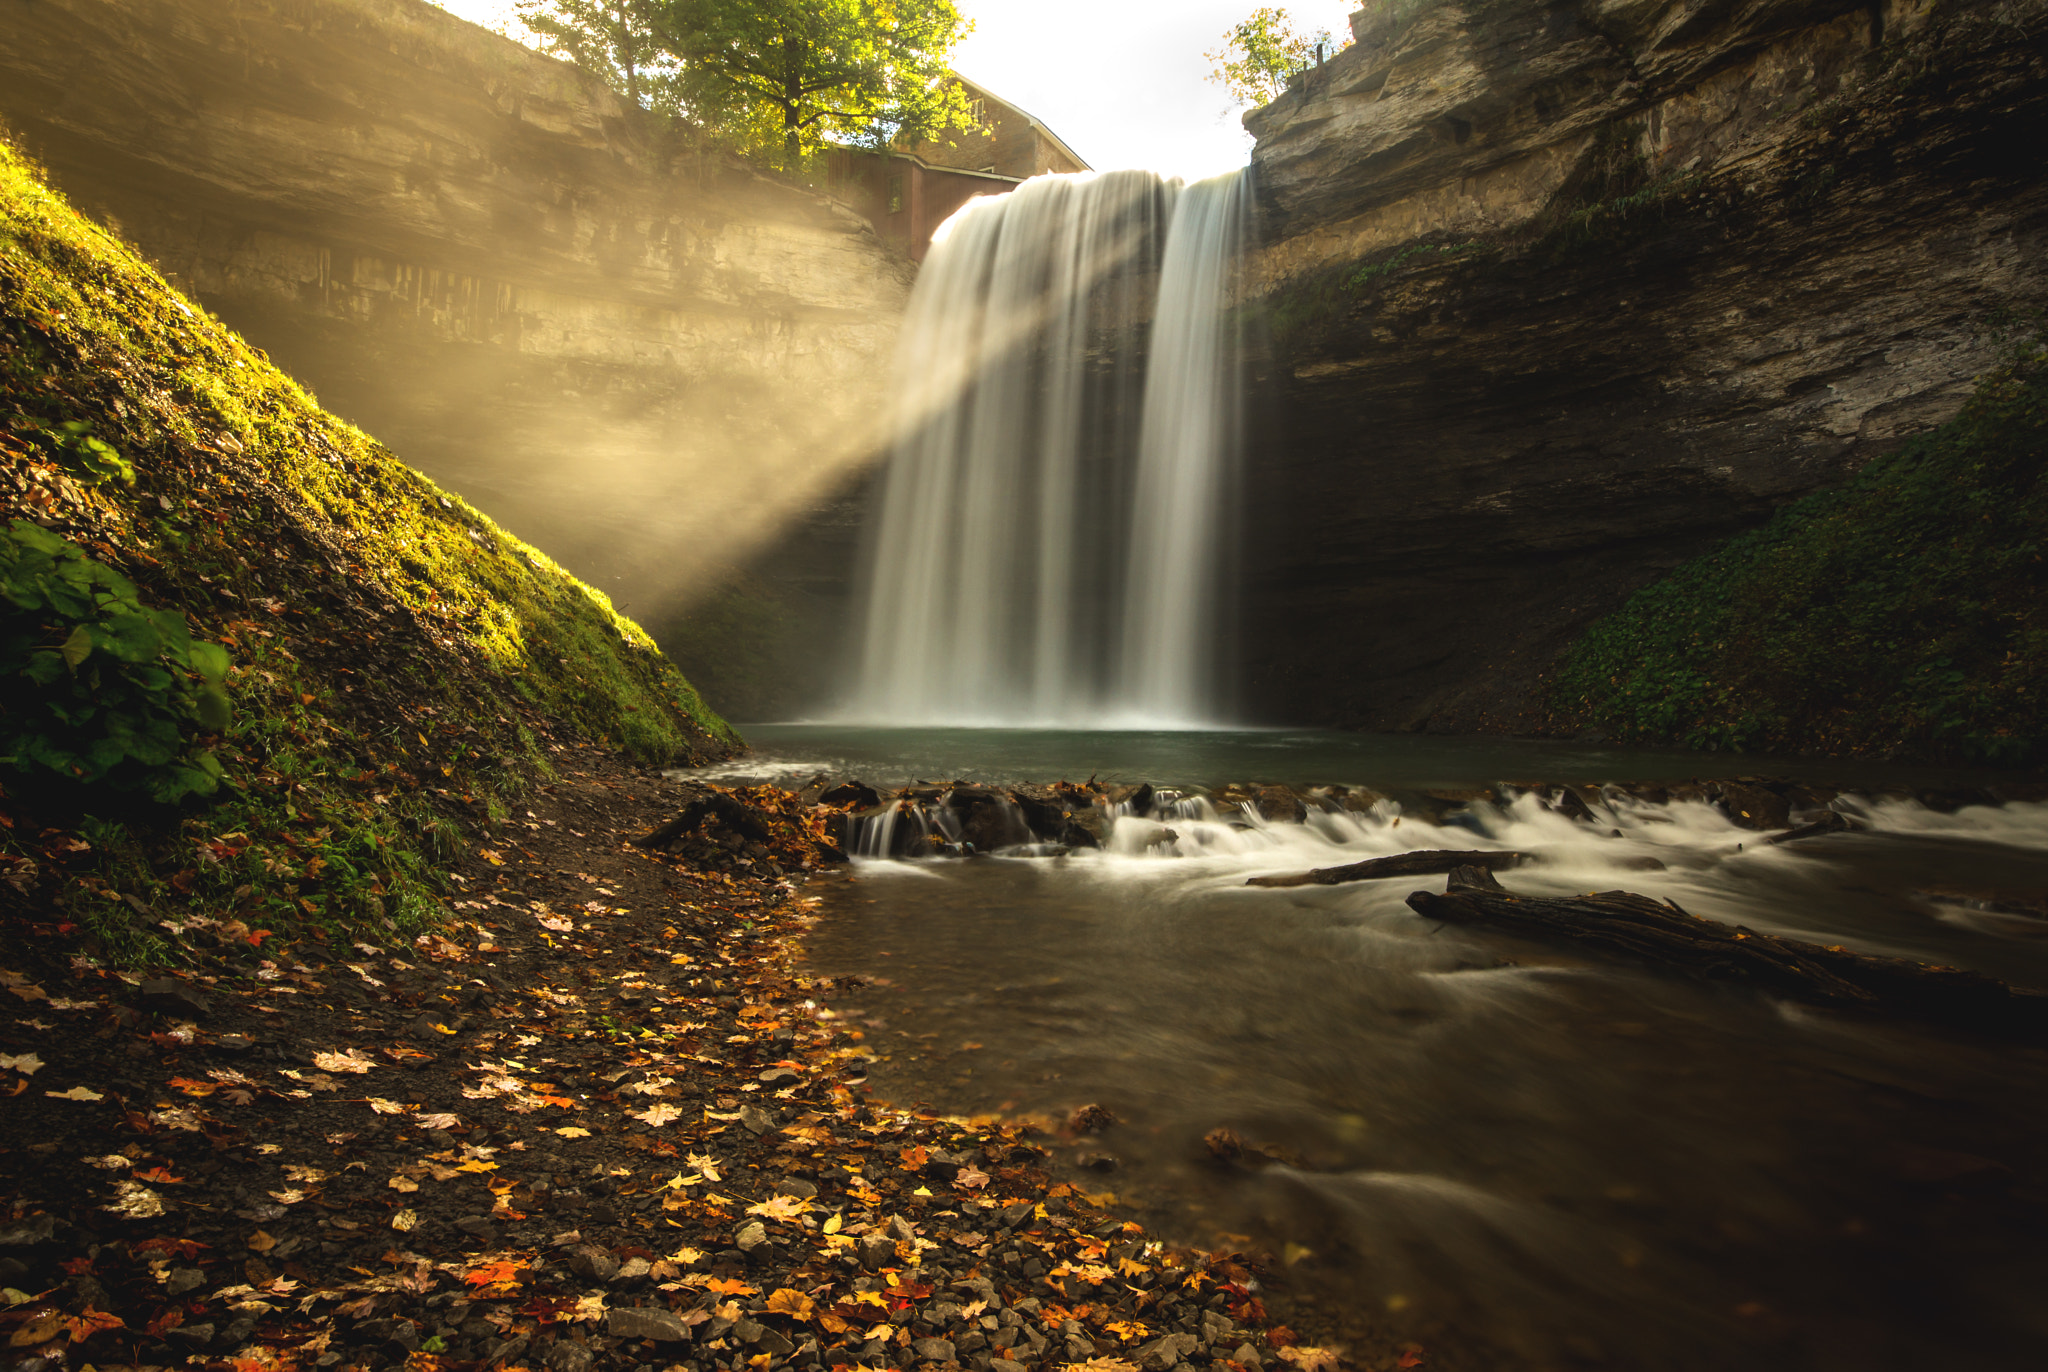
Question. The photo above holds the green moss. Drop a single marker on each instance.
(401, 665)
(1904, 615)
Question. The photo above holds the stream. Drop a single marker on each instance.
(1511, 1155)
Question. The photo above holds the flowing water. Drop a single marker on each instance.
(1051, 542)
(1513, 1155)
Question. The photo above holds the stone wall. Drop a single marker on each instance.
(640, 356)
(1561, 294)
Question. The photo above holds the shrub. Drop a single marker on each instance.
(96, 686)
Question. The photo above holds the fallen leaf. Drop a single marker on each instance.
(792, 1303)
(1311, 1359)
(438, 1121)
(780, 1207)
(493, 1273)
(351, 1061)
(39, 1329)
(406, 1184)
(570, 1131)
(28, 1064)
(657, 1115)
(261, 1242)
(136, 1201)
(90, 1323)
(404, 1221)
(1410, 1357)
(75, 1093)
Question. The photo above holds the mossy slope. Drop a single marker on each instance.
(399, 661)
(1903, 615)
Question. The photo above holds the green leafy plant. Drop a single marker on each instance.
(97, 687)
(1904, 614)
(94, 460)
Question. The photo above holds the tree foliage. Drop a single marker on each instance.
(773, 78)
(617, 39)
(1259, 54)
(805, 71)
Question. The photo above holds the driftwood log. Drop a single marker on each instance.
(1426, 862)
(1660, 933)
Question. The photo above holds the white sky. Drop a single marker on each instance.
(1120, 81)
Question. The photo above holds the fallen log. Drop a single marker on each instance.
(1424, 862)
(1660, 933)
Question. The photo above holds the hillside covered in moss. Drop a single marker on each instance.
(251, 661)
(1903, 615)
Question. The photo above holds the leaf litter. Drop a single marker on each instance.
(631, 1140)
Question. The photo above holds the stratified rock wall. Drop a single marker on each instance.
(1561, 294)
(639, 356)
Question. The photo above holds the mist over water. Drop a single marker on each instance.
(1052, 536)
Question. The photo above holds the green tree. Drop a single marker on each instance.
(617, 39)
(1259, 55)
(783, 76)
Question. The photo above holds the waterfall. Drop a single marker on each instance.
(1053, 525)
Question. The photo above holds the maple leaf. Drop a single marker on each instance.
(726, 1286)
(657, 1115)
(792, 1303)
(75, 1093)
(160, 1175)
(28, 1064)
(438, 1121)
(780, 1207)
(384, 1107)
(291, 1196)
(570, 1131)
(970, 1179)
(914, 1158)
(90, 1323)
(350, 1061)
(493, 1273)
(1310, 1359)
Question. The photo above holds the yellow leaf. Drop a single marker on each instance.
(793, 1303)
(832, 1225)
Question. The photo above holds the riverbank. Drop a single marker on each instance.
(601, 1119)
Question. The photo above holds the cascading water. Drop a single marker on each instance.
(1053, 523)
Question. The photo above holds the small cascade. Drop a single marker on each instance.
(1053, 529)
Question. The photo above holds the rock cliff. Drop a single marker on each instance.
(637, 355)
(1558, 295)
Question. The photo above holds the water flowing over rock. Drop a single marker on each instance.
(1051, 542)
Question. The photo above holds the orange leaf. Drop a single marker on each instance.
(726, 1287)
(793, 1303)
(914, 1158)
(492, 1274)
(1410, 1357)
(90, 1323)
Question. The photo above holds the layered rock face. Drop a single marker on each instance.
(642, 357)
(1561, 294)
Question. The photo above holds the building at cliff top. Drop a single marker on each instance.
(912, 189)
